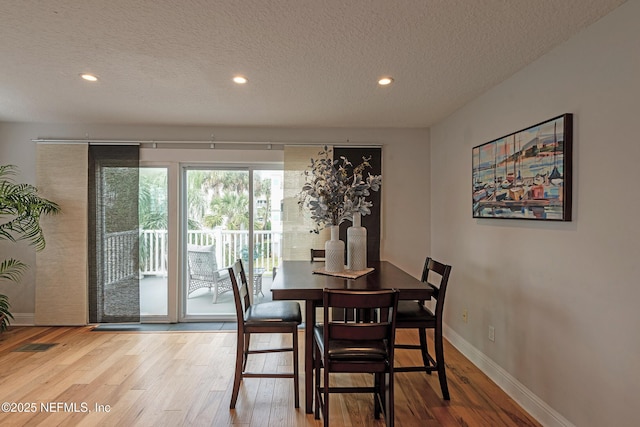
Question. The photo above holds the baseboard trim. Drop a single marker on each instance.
(536, 407)
(23, 319)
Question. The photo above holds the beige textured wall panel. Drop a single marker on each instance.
(296, 223)
(61, 268)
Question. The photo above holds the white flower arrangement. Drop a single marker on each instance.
(335, 190)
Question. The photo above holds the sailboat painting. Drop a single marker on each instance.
(526, 174)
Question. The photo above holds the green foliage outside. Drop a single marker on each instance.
(215, 199)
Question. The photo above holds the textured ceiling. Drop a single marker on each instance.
(310, 63)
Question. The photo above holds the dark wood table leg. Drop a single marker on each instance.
(310, 320)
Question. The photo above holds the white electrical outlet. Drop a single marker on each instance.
(492, 333)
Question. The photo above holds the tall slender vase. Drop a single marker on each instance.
(334, 252)
(356, 245)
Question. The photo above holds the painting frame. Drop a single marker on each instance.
(526, 174)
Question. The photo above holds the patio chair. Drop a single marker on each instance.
(204, 271)
(257, 281)
(257, 272)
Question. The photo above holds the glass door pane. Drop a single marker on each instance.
(267, 230)
(153, 220)
(217, 233)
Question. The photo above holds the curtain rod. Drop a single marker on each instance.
(210, 142)
(140, 141)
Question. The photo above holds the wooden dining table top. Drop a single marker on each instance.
(295, 280)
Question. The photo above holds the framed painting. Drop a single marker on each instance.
(526, 174)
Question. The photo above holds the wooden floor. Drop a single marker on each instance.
(92, 378)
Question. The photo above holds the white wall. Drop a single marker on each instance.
(563, 297)
(405, 190)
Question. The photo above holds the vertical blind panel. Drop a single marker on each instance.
(61, 268)
(114, 292)
(297, 224)
(372, 221)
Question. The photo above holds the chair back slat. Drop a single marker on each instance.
(240, 286)
(364, 300)
(359, 331)
(380, 325)
(436, 275)
(317, 254)
(440, 272)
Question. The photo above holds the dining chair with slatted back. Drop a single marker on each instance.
(415, 315)
(342, 346)
(317, 255)
(266, 317)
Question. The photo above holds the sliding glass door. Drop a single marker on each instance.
(154, 243)
(221, 206)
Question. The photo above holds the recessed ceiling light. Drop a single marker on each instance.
(384, 81)
(89, 77)
(240, 80)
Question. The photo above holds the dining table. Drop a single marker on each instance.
(305, 281)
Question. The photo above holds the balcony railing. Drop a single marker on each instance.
(122, 265)
(229, 246)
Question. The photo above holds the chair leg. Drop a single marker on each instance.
(442, 376)
(316, 387)
(215, 293)
(389, 412)
(247, 340)
(424, 350)
(325, 406)
(296, 387)
(377, 396)
(238, 373)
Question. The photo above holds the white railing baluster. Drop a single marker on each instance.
(229, 246)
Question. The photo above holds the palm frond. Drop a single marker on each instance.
(12, 269)
(6, 171)
(23, 207)
(5, 313)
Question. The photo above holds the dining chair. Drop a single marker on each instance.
(317, 255)
(356, 347)
(266, 317)
(415, 315)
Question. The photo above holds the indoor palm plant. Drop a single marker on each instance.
(20, 210)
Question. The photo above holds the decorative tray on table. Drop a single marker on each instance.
(347, 274)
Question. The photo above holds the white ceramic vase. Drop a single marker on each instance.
(356, 245)
(334, 252)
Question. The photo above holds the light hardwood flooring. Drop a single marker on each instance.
(92, 378)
